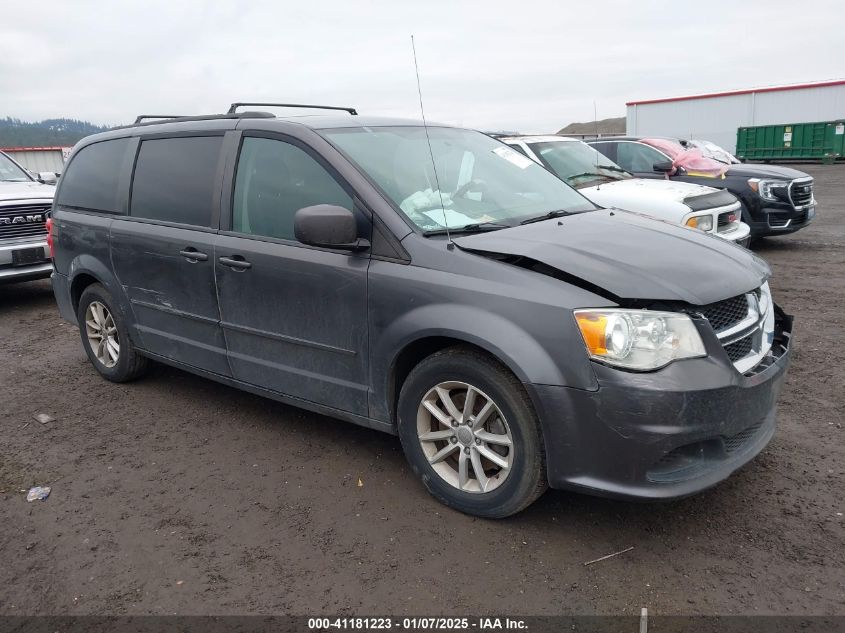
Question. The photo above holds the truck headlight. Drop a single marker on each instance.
(701, 222)
(638, 339)
(768, 188)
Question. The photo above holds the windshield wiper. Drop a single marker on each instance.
(477, 227)
(590, 174)
(546, 216)
(614, 168)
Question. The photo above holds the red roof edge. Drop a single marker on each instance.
(33, 149)
(733, 93)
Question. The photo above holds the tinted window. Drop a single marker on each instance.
(91, 179)
(174, 179)
(274, 180)
(637, 157)
(605, 148)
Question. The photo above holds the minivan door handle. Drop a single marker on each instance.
(235, 262)
(193, 255)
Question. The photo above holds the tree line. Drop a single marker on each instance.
(50, 132)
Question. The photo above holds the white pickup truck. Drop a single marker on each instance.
(24, 206)
(714, 211)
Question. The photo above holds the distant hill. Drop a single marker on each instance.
(605, 126)
(50, 132)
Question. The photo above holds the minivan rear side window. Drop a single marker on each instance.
(92, 177)
(175, 178)
(274, 180)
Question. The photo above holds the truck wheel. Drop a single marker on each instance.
(106, 338)
(470, 433)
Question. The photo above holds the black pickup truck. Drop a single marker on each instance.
(775, 200)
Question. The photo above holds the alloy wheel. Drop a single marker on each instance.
(465, 437)
(102, 334)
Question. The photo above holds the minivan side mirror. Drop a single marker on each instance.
(328, 226)
(663, 166)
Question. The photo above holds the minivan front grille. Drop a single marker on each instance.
(724, 314)
(23, 220)
(801, 193)
(739, 349)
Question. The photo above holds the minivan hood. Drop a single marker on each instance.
(631, 256)
(765, 171)
(25, 190)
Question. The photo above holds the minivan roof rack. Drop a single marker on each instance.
(202, 117)
(233, 108)
(141, 117)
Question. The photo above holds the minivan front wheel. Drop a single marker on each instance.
(105, 337)
(470, 433)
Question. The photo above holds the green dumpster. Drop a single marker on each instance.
(823, 141)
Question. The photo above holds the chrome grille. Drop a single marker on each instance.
(724, 314)
(801, 193)
(18, 220)
(744, 326)
(739, 349)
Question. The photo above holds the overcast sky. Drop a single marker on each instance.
(510, 65)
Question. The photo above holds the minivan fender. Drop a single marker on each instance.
(493, 333)
(86, 266)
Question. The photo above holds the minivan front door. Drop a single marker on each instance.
(294, 317)
(163, 252)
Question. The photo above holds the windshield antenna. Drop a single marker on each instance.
(596, 124)
(428, 140)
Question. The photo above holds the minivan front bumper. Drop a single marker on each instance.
(664, 434)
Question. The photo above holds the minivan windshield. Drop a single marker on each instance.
(482, 182)
(9, 172)
(577, 163)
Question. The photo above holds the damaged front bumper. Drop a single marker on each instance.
(663, 434)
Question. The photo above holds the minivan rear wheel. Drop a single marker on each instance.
(470, 433)
(106, 338)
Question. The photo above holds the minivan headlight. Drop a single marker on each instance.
(638, 339)
(766, 188)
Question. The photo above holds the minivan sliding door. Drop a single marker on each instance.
(163, 251)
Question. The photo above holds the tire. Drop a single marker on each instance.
(128, 364)
(501, 491)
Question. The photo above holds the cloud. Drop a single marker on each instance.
(528, 66)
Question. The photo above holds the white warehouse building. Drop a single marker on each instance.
(715, 117)
(38, 159)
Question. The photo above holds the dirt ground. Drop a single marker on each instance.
(177, 495)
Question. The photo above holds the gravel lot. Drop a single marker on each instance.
(177, 495)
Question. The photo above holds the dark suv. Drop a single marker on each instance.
(775, 200)
(429, 282)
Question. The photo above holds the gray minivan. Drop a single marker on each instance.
(429, 282)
